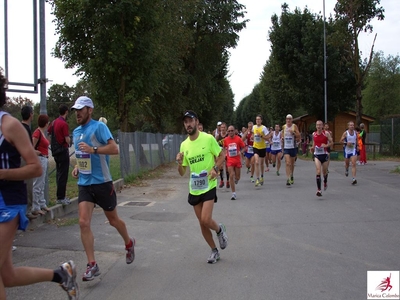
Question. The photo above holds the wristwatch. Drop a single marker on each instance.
(95, 149)
(216, 169)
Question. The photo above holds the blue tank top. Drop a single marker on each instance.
(93, 168)
(13, 192)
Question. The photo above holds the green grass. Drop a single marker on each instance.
(62, 222)
(72, 186)
(396, 170)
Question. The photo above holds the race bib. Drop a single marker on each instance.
(199, 182)
(350, 146)
(257, 138)
(277, 144)
(289, 143)
(319, 150)
(232, 150)
(84, 162)
(250, 149)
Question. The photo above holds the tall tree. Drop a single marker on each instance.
(355, 17)
(383, 86)
(14, 105)
(115, 45)
(293, 78)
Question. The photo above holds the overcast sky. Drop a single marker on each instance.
(247, 59)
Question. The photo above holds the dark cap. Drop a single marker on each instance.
(190, 114)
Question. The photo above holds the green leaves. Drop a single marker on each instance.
(173, 54)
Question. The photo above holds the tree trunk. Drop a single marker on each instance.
(359, 106)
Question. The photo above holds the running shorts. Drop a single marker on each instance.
(10, 212)
(275, 152)
(322, 157)
(292, 152)
(261, 152)
(101, 194)
(234, 164)
(207, 196)
(248, 155)
(348, 155)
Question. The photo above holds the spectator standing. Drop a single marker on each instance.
(60, 151)
(41, 144)
(363, 150)
(27, 116)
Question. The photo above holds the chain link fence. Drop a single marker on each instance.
(140, 151)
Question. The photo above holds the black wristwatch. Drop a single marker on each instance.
(95, 149)
(216, 169)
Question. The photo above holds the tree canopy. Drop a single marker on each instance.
(150, 60)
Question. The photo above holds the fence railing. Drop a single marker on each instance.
(140, 151)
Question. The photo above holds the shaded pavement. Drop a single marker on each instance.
(284, 243)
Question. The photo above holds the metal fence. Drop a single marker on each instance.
(387, 136)
(140, 151)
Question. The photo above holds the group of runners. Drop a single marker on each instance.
(259, 146)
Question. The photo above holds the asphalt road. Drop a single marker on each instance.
(284, 243)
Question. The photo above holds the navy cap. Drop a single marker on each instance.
(189, 114)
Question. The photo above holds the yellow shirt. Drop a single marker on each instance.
(259, 132)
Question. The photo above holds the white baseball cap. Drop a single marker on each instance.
(81, 102)
(219, 123)
(289, 116)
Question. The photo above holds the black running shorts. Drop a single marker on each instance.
(207, 196)
(101, 194)
(260, 152)
(322, 157)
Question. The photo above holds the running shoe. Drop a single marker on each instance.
(91, 272)
(346, 172)
(221, 184)
(273, 165)
(236, 181)
(277, 173)
(130, 252)
(354, 181)
(69, 284)
(233, 196)
(252, 179)
(291, 180)
(319, 194)
(222, 237)
(266, 169)
(257, 183)
(288, 182)
(228, 185)
(262, 180)
(248, 171)
(325, 186)
(214, 256)
(13, 248)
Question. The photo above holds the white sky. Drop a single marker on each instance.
(249, 57)
(246, 62)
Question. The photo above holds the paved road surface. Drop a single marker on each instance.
(284, 243)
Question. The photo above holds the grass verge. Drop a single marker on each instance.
(72, 183)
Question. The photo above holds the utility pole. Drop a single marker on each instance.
(325, 79)
(42, 53)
